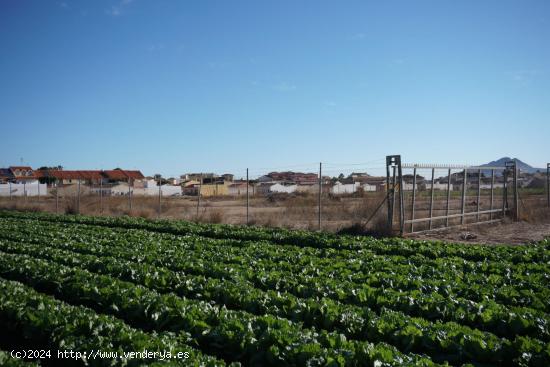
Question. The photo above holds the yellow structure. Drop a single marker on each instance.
(215, 189)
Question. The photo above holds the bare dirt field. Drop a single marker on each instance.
(497, 233)
(348, 214)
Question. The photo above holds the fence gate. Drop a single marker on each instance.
(423, 197)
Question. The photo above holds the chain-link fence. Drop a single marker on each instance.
(351, 198)
(423, 197)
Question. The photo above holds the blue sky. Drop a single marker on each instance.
(178, 86)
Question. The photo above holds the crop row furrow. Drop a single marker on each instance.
(259, 250)
(376, 272)
(231, 335)
(45, 322)
(525, 276)
(487, 316)
(6, 360)
(406, 333)
(389, 246)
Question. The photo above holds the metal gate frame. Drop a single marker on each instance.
(394, 182)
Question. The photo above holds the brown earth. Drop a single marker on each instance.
(497, 233)
(348, 214)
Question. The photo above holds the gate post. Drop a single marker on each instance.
(511, 166)
(504, 192)
(394, 161)
(401, 199)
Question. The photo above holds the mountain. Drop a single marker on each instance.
(524, 167)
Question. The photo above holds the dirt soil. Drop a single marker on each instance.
(499, 233)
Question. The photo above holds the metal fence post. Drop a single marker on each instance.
(78, 198)
(11, 198)
(464, 188)
(56, 197)
(129, 196)
(160, 196)
(413, 199)
(38, 191)
(100, 196)
(25, 190)
(448, 198)
(516, 192)
(504, 192)
(432, 197)
(393, 161)
(478, 192)
(389, 194)
(401, 199)
(548, 184)
(320, 190)
(492, 192)
(199, 197)
(512, 166)
(247, 198)
(394, 181)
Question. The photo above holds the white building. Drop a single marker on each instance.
(438, 186)
(487, 186)
(340, 188)
(146, 188)
(279, 188)
(408, 186)
(311, 189)
(369, 187)
(29, 188)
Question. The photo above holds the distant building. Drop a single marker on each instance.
(22, 174)
(120, 175)
(370, 188)
(66, 177)
(239, 188)
(355, 175)
(6, 175)
(190, 187)
(441, 186)
(280, 188)
(196, 176)
(298, 178)
(227, 177)
(367, 182)
(340, 188)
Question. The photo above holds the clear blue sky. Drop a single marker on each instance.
(177, 86)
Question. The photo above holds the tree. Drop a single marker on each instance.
(49, 179)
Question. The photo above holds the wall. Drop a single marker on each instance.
(278, 188)
(339, 188)
(32, 189)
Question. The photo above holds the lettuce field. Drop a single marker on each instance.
(219, 295)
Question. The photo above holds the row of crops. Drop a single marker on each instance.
(264, 297)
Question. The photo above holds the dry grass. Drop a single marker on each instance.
(343, 214)
(534, 210)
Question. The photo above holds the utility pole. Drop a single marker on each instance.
(56, 196)
(100, 195)
(78, 198)
(320, 192)
(247, 198)
(199, 196)
(129, 195)
(160, 194)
